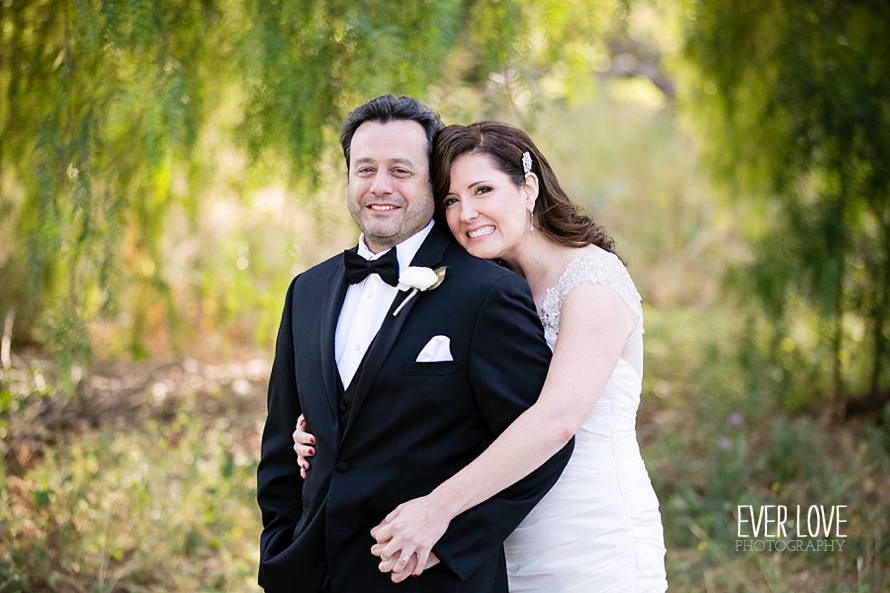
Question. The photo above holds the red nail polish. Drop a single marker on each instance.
(311, 440)
(311, 451)
(413, 576)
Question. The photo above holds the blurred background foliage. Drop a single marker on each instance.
(799, 93)
(167, 167)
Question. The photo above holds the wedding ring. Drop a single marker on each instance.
(405, 558)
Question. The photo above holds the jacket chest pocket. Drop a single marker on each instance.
(430, 369)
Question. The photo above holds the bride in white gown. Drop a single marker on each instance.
(599, 529)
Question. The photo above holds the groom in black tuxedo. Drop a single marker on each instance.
(400, 391)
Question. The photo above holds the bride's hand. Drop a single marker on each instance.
(412, 528)
(303, 446)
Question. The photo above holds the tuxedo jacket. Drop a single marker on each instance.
(412, 426)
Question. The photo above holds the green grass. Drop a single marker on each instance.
(156, 498)
(717, 442)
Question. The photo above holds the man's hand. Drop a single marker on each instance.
(388, 564)
(409, 533)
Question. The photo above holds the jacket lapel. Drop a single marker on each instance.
(429, 255)
(335, 289)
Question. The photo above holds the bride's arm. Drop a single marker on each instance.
(595, 324)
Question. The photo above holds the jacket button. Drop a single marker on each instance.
(342, 408)
(342, 467)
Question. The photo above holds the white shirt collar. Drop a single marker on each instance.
(406, 251)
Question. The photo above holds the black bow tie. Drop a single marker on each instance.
(358, 268)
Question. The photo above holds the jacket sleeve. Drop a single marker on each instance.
(279, 486)
(509, 359)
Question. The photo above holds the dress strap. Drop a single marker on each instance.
(598, 267)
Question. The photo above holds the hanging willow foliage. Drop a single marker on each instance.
(101, 100)
(105, 100)
(794, 96)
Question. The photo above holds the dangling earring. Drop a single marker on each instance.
(527, 168)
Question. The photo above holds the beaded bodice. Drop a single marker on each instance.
(599, 267)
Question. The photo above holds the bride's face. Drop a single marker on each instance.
(486, 212)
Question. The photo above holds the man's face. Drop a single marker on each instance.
(390, 197)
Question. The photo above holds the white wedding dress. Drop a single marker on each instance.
(598, 530)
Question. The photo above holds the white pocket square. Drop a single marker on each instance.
(438, 349)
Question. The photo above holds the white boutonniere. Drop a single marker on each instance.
(419, 280)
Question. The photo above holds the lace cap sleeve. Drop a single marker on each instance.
(598, 267)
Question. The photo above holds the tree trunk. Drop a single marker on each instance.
(839, 249)
(882, 301)
(837, 339)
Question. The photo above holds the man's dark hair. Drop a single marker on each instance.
(387, 109)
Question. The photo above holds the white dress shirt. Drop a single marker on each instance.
(366, 305)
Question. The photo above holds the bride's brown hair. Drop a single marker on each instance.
(555, 216)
